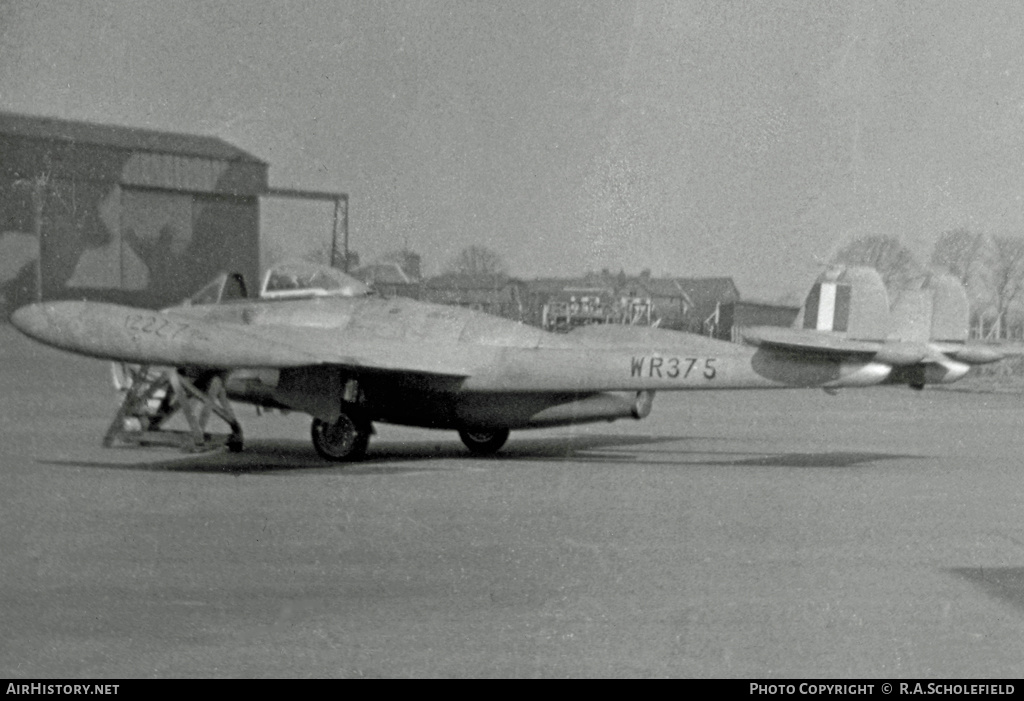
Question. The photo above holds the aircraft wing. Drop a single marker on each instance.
(132, 335)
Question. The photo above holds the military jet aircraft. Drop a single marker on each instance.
(316, 341)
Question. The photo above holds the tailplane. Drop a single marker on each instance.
(847, 319)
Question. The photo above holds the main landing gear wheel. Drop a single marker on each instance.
(345, 440)
(484, 442)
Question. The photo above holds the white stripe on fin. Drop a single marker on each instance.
(826, 307)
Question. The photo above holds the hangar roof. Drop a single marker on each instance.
(710, 290)
(130, 138)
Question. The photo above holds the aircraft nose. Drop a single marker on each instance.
(33, 320)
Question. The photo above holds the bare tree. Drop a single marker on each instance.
(966, 255)
(477, 260)
(962, 253)
(886, 254)
(1006, 271)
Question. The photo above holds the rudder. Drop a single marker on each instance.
(951, 309)
(939, 312)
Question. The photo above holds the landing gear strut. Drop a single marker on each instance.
(484, 442)
(344, 440)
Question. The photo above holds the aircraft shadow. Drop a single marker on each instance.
(818, 460)
(264, 456)
(825, 459)
(397, 457)
(1006, 583)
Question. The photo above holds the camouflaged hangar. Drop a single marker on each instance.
(91, 211)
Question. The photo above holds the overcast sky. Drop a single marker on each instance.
(694, 138)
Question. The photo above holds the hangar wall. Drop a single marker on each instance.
(123, 215)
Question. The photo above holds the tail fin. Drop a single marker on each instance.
(850, 302)
(937, 312)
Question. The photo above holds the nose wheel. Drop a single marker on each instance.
(344, 440)
(484, 442)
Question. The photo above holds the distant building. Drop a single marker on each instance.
(582, 306)
(561, 304)
(735, 316)
(708, 295)
(499, 295)
(672, 303)
(709, 306)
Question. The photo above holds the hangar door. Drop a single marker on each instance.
(174, 243)
(19, 247)
(153, 247)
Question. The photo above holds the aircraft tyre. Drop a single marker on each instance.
(345, 440)
(484, 442)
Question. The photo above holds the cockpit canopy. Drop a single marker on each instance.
(297, 279)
